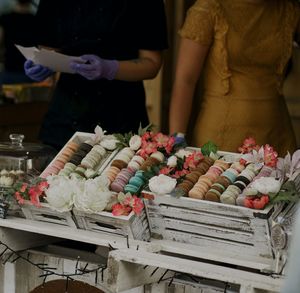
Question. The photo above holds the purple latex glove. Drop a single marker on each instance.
(95, 67)
(36, 72)
(180, 140)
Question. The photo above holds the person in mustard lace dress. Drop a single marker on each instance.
(242, 47)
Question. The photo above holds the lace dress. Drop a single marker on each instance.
(250, 45)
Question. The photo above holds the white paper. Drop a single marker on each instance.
(55, 61)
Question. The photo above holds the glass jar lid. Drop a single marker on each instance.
(16, 147)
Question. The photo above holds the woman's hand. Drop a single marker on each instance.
(95, 67)
(36, 72)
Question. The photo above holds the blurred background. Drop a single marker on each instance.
(24, 103)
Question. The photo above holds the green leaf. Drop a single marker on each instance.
(208, 148)
(142, 131)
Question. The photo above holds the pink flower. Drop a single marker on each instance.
(146, 136)
(149, 147)
(249, 144)
(166, 170)
(35, 200)
(128, 201)
(138, 205)
(34, 195)
(180, 173)
(119, 209)
(161, 140)
(19, 198)
(270, 156)
(142, 153)
(42, 186)
(192, 161)
(23, 187)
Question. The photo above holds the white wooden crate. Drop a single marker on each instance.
(240, 234)
(80, 137)
(136, 227)
(48, 215)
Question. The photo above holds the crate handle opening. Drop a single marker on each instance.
(53, 217)
(103, 225)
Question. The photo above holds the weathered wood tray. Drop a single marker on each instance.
(136, 227)
(241, 235)
(48, 215)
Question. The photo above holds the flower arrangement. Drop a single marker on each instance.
(32, 190)
(127, 203)
(181, 163)
(262, 191)
(259, 155)
(288, 169)
(153, 142)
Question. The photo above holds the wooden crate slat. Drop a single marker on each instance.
(243, 224)
(136, 227)
(228, 229)
(208, 206)
(46, 214)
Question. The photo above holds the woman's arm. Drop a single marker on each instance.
(297, 34)
(190, 61)
(146, 66)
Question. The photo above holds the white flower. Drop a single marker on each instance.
(183, 153)
(94, 196)
(109, 142)
(4, 172)
(215, 156)
(6, 181)
(256, 157)
(60, 192)
(162, 184)
(172, 161)
(135, 142)
(99, 134)
(266, 185)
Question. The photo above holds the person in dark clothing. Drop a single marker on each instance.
(15, 28)
(122, 43)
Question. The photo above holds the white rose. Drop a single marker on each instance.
(162, 184)
(135, 142)
(266, 185)
(109, 142)
(60, 193)
(172, 161)
(183, 153)
(95, 195)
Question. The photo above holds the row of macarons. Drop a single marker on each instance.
(128, 175)
(77, 160)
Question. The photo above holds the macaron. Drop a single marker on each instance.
(131, 188)
(120, 164)
(137, 181)
(213, 195)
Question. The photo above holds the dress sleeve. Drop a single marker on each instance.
(199, 23)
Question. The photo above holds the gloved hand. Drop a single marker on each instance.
(95, 67)
(180, 139)
(36, 72)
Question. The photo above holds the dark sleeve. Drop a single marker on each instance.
(152, 25)
(46, 18)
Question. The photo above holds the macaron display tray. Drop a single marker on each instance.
(80, 137)
(131, 226)
(48, 215)
(238, 234)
